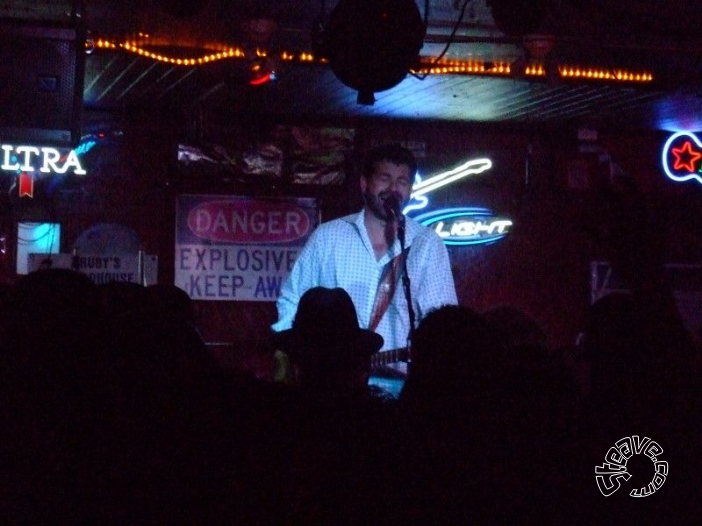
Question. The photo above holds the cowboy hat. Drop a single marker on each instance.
(326, 319)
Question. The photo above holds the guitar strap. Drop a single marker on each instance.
(386, 288)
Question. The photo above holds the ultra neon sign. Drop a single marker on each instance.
(27, 160)
(682, 157)
(466, 226)
(31, 159)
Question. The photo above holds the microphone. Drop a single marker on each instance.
(391, 204)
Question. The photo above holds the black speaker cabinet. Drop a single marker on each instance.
(42, 69)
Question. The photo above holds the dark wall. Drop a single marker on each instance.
(571, 201)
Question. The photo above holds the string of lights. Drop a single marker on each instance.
(428, 65)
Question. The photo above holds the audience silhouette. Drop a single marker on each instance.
(56, 403)
(113, 412)
(482, 435)
(332, 436)
(641, 383)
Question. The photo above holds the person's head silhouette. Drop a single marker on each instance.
(325, 343)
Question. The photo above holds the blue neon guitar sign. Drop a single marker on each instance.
(457, 226)
(422, 187)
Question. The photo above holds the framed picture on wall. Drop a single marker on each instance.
(36, 238)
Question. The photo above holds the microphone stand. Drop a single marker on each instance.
(406, 280)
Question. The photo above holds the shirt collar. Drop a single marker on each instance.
(412, 228)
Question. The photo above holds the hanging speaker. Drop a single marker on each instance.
(372, 44)
(42, 68)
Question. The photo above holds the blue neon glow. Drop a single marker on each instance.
(84, 147)
(466, 226)
(422, 187)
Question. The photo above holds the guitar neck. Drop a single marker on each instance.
(391, 356)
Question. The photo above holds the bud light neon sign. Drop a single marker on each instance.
(457, 226)
(466, 226)
(422, 186)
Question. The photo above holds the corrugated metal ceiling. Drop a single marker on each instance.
(120, 79)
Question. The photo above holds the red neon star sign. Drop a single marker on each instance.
(686, 152)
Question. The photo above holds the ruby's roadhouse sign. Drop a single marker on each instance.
(239, 248)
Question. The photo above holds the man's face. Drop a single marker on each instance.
(387, 178)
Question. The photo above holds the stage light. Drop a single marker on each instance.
(372, 44)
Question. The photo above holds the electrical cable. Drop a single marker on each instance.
(49, 232)
(450, 38)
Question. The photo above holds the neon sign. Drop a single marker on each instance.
(28, 158)
(25, 161)
(466, 226)
(422, 187)
(457, 226)
(682, 157)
